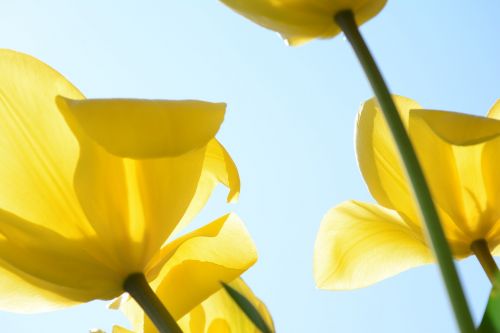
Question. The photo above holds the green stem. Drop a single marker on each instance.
(482, 252)
(137, 286)
(346, 22)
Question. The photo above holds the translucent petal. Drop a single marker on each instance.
(146, 128)
(458, 153)
(299, 21)
(379, 160)
(459, 129)
(119, 329)
(43, 270)
(495, 110)
(134, 205)
(218, 167)
(219, 313)
(39, 152)
(359, 244)
(191, 268)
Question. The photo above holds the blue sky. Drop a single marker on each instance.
(289, 127)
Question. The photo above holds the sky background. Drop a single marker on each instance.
(289, 127)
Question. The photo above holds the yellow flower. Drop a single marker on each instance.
(299, 21)
(91, 191)
(217, 314)
(361, 243)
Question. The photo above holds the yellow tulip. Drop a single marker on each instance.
(91, 190)
(362, 243)
(299, 21)
(217, 314)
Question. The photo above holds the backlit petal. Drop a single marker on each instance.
(218, 167)
(456, 152)
(191, 268)
(146, 128)
(134, 205)
(495, 110)
(39, 152)
(219, 313)
(299, 21)
(42, 270)
(119, 329)
(489, 225)
(459, 129)
(379, 160)
(359, 244)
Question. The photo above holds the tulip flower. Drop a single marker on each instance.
(360, 243)
(93, 191)
(299, 21)
(218, 313)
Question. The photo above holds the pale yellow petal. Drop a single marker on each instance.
(489, 225)
(39, 152)
(191, 268)
(219, 313)
(218, 167)
(359, 244)
(42, 270)
(379, 160)
(119, 329)
(495, 110)
(146, 128)
(299, 21)
(458, 153)
(459, 129)
(220, 251)
(134, 205)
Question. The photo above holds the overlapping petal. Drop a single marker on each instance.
(459, 156)
(220, 314)
(299, 21)
(39, 152)
(464, 180)
(76, 217)
(378, 158)
(146, 128)
(190, 269)
(217, 314)
(359, 244)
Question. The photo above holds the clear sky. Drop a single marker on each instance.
(289, 127)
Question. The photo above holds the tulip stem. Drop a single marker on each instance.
(137, 286)
(482, 252)
(346, 21)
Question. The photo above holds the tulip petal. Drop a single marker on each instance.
(218, 167)
(146, 128)
(299, 21)
(119, 329)
(39, 259)
(219, 313)
(458, 153)
(495, 110)
(134, 205)
(379, 160)
(488, 226)
(359, 244)
(191, 268)
(459, 129)
(39, 152)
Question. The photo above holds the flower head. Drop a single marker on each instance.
(91, 190)
(299, 21)
(217, 314)
(361, 243)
